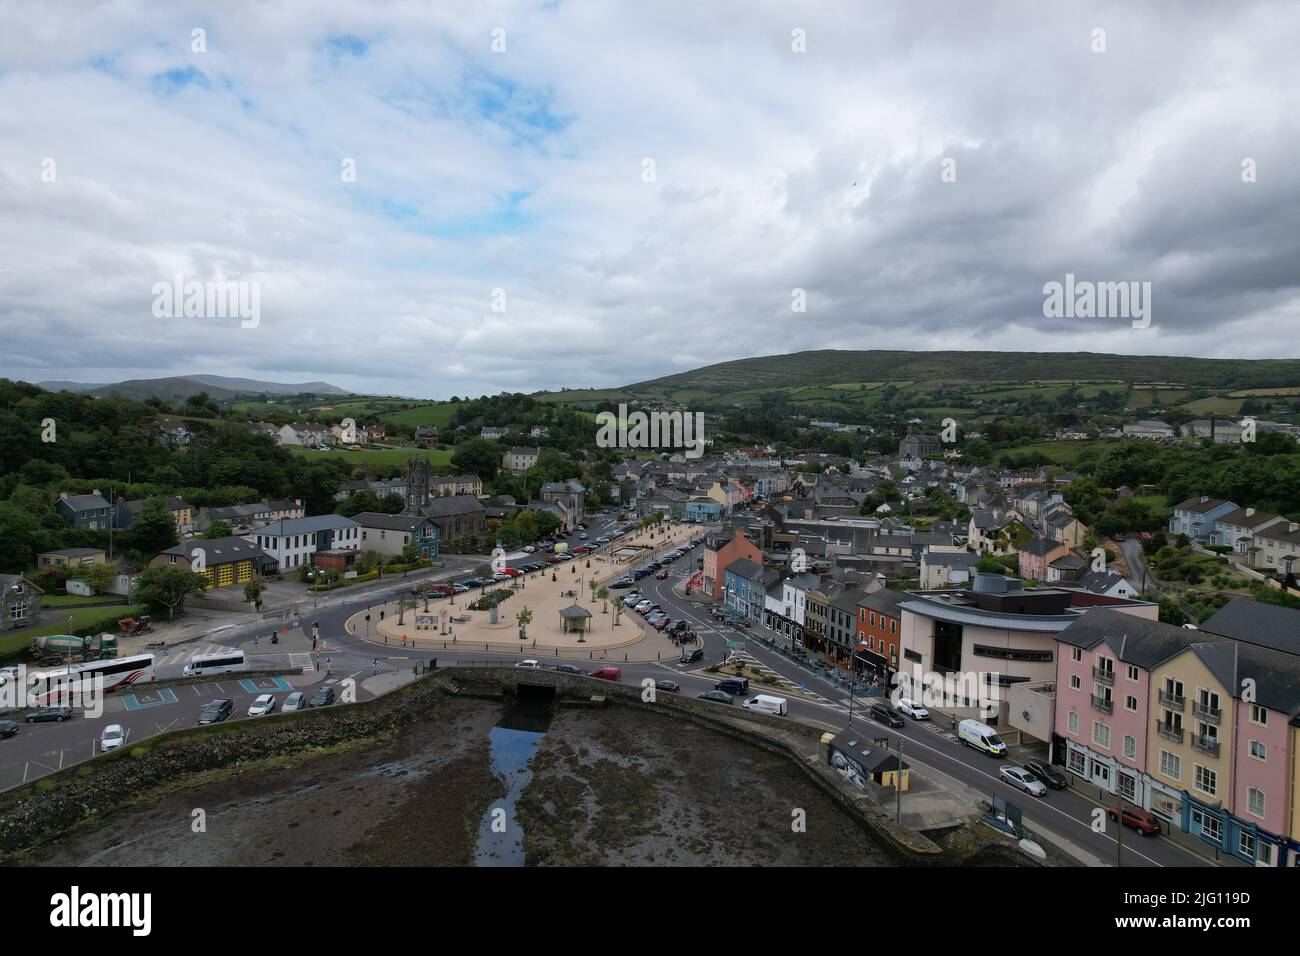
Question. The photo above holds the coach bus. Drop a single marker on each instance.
(79, 681)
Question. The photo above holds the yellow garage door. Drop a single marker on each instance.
(243, 572)
(207, 574)
(225, 575)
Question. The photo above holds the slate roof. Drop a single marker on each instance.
(308, 525)
(220, 550)
(1268, 625)
(451, 505)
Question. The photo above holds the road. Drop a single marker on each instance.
(43, 748)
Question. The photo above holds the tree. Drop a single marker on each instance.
(168, 586)
(524, 617)
(603, 594)
(253, 591)
(154, 528)
(218, 529)
(479, 456)
(99, 577)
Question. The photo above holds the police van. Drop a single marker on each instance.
(981, 737)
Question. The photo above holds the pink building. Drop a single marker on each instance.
(1102, 694)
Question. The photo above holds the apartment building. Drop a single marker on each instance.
(295, 542)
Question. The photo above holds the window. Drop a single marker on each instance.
(1131, 703)
(1132, 672)
(1255, 801)
(1265, 854)
(1074, 682)
(1101, 734)
(893, 627)
(1171, 765)
(1128, 787)
(1258, 750)
(1074, 722)
(1206, 780)
(18, 611)
(873, 618)
(1258, 715)
(1076, 654)
(1130, 747)
(1078, 764)
(1210, 825)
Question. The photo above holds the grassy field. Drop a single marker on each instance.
(379, 456)
(1065, 452)
(1158, 504)
(1216, 405)
(73, 600)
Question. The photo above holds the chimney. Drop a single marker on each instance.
(63, 495)
(1249, 512)
(95, 492)
(1204, 498)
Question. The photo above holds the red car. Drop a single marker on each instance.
(662, 575)
(513, 572)
(606, 673)
(580, 550)
(553, 560)
(1144, 821)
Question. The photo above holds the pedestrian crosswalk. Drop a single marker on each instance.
(187, 652)
(306, 661)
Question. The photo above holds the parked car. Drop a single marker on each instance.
(669, 685)
(1047, 774)
(473, 582)
(715, 695)
(1144, 821)
(568, 668)
(660, 622)
(8, 728)
(295, 701)
(528, 549)
(644, 606)
(911, 708)
(621, 583)
(43, 714)
(1022, 779)
(528, 663)
(690, 657)
(886, 715)
(216, 711)
(606, 673)
(323, 697)
(262, 705)
(112, 737)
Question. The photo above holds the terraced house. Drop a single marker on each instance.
(1197, 728)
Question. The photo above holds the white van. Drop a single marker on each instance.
(767, 704)
(215, 664)
(981, 737)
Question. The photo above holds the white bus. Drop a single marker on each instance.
(215, 663)
(48, 687)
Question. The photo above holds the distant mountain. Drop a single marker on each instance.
(179, 388)
(833, 366)
(56, 386)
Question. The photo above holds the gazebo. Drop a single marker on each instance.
(575, 619)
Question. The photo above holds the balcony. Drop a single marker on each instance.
(1210, 715)
(1103, 676)
(1172, 701)
(1206, 745)
(1170, 732)
(1103, 704)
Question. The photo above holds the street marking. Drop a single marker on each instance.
(255, 685)
(151, 698)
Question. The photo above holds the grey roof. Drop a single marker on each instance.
(1197, 506)
(308, 525)
(952, 559)
(9, 580)
(219, 550)
(75, 552)
(85, 502)
(1040, 546)
(883, 601)
(1268, 625)
(574, 611)
(452, 505)
(744, 568)
(1135, 640)
(1070, 560)
(1239, 518)
(1043, 623)
(387, 522)
(1098, 582)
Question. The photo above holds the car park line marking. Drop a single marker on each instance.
(162, 728)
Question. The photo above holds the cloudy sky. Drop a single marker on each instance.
(586, 194)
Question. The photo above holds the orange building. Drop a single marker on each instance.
(720, 551)
(877, 625)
